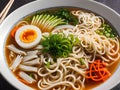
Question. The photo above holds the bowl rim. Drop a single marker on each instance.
(112, 16)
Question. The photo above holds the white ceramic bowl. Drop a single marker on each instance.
(21, 12)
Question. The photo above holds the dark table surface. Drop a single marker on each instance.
(114, 4)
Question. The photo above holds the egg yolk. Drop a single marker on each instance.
(28, 35)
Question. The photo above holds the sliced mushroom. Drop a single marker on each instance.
(26, 77)
(32, 62)
(16, 50)
(32, 52)
(16, 63)
(28, 68)
(29, 57)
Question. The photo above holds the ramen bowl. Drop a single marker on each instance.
(92, 6)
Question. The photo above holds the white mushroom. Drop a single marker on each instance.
(26, 77)
(16, 63)
(32, 52)
(62, 27)
(16, 50)
(39, 47)
(28, 68)
(32, 62)
(29, 57)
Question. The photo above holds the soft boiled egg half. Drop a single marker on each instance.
(28, 36)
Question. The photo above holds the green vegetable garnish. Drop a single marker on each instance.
(47, 22)
(74, 40)
(108, 32)
(31, 75)
(57, 45)
(48, 64)
(67, 15)
(82, 61)
(28, 19)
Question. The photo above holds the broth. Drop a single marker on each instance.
(10, 40)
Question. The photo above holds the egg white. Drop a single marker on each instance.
(30, 44)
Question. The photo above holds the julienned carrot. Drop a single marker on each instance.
(14, 30)
(98, 71)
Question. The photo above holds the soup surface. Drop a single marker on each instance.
(63, 49)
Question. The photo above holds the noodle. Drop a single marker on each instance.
(22, 23)
(88, 20)
(66, 72)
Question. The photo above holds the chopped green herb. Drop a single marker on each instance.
(58, 45)
(82, 61)
(108, 32)
(48, 64)
(73, 39)
(77, 41)
(31, 75)
(67, 15)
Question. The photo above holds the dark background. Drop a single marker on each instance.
(114, 4)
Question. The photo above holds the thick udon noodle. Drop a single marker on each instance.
(68, 73)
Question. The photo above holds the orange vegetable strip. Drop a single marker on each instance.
(14, 31)
(97, 71)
